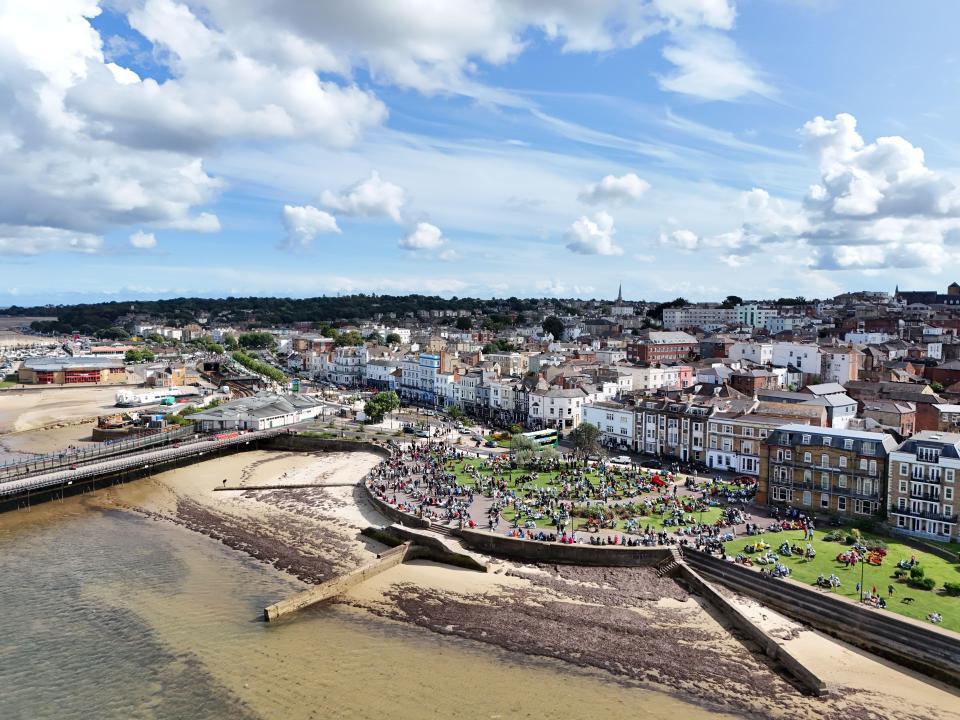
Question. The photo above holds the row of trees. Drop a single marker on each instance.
(89, 318)
(138, 355)
(259, 367)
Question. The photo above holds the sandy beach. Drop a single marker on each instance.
(625, 622)
(33, 408)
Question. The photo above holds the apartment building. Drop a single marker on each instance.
(673, 428)
(556, 408)
(734, 442)
(922, 486)
(825, 470)
(662, 346)
(616, 421)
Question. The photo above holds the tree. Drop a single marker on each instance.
(394, 339)
(454, 411)
(230, 342)
(463, 323)
(516, 429)
(553, 326)
(380, 404)
(376, 338)
(257, 340)
(524, 450)
(936, 387)
(347, 339)
(585, 438)
(731, 301)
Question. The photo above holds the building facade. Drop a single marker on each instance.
(825, 470)
(923, 484)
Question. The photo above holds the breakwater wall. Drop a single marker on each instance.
(927, 649)
(338, 585)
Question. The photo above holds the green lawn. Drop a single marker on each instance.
(924, 601)
(546, 479)
(7, 384)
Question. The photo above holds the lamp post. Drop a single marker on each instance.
(863, 567)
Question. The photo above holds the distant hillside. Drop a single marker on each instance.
(88, 318)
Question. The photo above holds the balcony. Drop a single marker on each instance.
(928, 496)
(938, 516)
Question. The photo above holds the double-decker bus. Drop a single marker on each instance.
(543, 437)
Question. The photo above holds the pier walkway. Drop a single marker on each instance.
(133, 461)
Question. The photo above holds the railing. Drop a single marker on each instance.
(130, 462)
(928, 496)
(926, 514)
(88, 453)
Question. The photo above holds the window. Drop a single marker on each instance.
(788, 454)
(824, 460)
(848, 444)
(863, 464)
(807, 498)
(948, 493)
(825, 481)
(948, 475)
(841, 481)
(873, 467)
(824, 501)
(747, 432)
(903, 486)
(904, 469)
(807, 476)
(828, 441)
(927, 454)
(842, 461)
(842, 504)
(779, 455)
(807, 457)
(805, 440)
(609, 416)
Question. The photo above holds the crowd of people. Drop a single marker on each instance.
(441, 482)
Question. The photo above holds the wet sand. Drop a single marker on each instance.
(22, 410)
(625, 622)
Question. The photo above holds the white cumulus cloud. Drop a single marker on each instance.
(143, 240)
(592, 236)
(424, 236)
(680, 239)
(615, 190)
(372, 197)
(303, 223)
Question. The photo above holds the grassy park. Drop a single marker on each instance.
(547, 479)
(923, 602)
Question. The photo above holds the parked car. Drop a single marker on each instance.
(490, 443)
(620, 460)
(654, 464)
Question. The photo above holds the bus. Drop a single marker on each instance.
(543, 437)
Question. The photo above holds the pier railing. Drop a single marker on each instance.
(88, 453)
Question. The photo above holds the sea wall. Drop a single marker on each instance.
(926, 648)
(537, 551)
(776, 652)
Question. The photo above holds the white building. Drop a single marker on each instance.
(758, 353)
(557, 408)
(616, 421)
(803, 356)
(258, 412)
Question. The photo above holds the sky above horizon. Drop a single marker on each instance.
(763, 148)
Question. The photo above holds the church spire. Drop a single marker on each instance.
(620, 294)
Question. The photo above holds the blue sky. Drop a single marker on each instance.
(156, 148)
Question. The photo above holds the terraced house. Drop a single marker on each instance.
(825, 470)
(924, 472)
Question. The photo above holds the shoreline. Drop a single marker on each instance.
(631, 626)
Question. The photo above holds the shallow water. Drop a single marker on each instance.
(106, 614)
